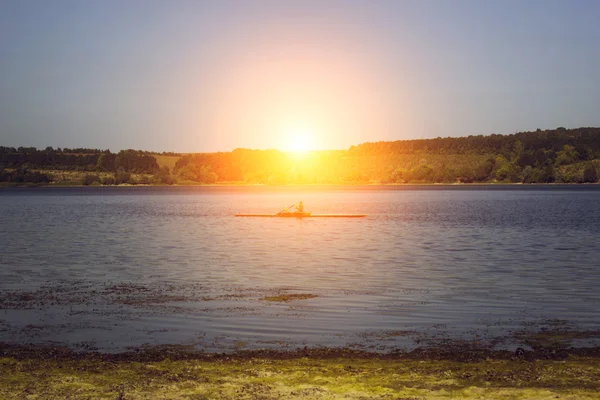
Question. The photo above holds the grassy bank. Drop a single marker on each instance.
(308, 377)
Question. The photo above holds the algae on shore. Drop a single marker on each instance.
(298, 378)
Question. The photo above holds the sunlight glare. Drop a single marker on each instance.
(299, 141)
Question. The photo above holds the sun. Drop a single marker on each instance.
(299, 141)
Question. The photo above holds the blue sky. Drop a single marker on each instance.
(193, 76)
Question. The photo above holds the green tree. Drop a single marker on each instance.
(567, 155)
(590, 174)
(122, 177)
(517, 151)
(527, 175)
(483, 170)
(164, 176)
(422, 173)
(90, 179)
(106, 162)
(206, 175)
(502, 168)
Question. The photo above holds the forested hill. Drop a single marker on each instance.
(583, 139)
(560, 155)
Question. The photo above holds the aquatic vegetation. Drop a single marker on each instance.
(351, 377)
(284, 298)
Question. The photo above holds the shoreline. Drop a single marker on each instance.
(333, 186)
(454, 351)
(301, 374)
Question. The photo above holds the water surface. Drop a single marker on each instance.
(111, 268)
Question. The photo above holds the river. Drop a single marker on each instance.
(115, 268)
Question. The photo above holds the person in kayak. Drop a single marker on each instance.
(300, 207)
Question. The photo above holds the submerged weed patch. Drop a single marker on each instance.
(285, 298)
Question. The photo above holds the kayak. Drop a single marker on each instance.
(303, 215)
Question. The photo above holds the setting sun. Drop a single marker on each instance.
(299, 141)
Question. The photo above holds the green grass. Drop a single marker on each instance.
(168, 161)
(299, 378)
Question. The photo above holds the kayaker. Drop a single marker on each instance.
(300, 207)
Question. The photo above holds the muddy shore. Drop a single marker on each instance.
(455, 351)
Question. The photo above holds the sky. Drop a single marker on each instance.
(205, 76)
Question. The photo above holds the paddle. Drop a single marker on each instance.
(293, 205)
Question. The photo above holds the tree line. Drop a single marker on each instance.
(23, 164)
(542, 156)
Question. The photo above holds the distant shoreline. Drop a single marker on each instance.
(333, 186)
(557, 155)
